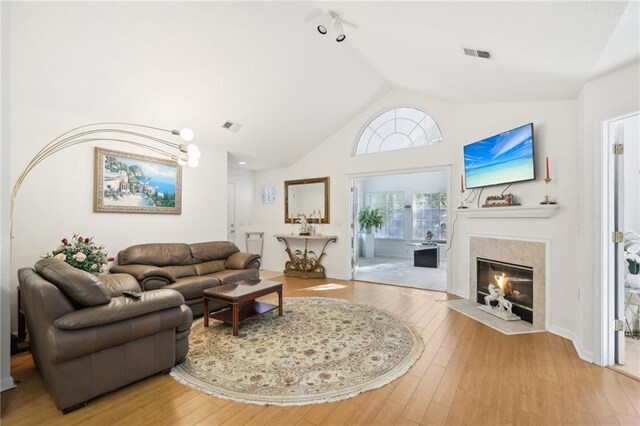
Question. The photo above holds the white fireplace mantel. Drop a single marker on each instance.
(535, 211)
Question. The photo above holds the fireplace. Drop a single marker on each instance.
(516, 281)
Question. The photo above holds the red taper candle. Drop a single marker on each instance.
(548, 174)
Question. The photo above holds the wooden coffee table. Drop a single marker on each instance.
(242, 297)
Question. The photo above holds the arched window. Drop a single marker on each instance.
(398, 128)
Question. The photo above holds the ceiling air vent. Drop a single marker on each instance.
(477, 53)
(229, 125)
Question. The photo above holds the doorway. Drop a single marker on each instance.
(231, 212)
(622, 137)
(406, 244)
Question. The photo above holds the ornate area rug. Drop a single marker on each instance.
(321, 350)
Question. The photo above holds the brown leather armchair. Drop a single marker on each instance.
(88, 339)
(188, 268)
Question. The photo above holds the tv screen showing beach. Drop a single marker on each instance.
(503, 158)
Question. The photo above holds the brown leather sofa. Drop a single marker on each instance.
(188, 268)
(88, 339)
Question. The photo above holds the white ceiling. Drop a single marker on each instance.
(540, 50)
(264, 66)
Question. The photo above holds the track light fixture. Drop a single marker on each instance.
(338, 27)
(336, 24)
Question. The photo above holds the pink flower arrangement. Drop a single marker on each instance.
(82, 253)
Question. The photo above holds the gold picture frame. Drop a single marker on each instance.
(133, 183)
(320, 192)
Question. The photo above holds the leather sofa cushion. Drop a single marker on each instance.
(232, 275)
(205, 268)
(159, 254)
(180, 271)
(120, 309)
(117, 283)
(80, 287)
(193, 287)
(213, 250)
(142, 272)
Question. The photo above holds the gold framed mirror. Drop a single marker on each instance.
(307, 196)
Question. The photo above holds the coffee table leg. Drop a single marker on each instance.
(206, 312)
(280, 302)
(235, 319)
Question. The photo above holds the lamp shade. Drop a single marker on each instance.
(193, 162)
(193, 151)
(186, 135)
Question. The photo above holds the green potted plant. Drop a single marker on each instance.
(369, 220)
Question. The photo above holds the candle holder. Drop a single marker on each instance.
(462, 206)
(547, 198)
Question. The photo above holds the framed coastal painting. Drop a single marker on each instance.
(134, 183)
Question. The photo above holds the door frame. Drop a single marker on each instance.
(350, 182)
(231, 184)
(608, 249)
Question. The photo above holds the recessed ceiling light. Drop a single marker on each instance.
(242, 163)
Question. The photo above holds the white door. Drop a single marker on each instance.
(355, 250)
(617, 130)
(231, 212)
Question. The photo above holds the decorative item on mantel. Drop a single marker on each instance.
(305, 227)
(547, 181)
(462, 206)
(502, 200)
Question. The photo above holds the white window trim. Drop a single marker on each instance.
(384, 111)
(401, 193)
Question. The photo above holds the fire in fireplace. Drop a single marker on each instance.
(515, 281)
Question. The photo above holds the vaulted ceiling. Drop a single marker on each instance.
(264, 66)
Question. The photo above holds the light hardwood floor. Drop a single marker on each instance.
(468, 374)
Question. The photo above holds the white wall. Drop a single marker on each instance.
(245, 203)
(6, 381)
(556, 136)
(632, 173)
(610, 96)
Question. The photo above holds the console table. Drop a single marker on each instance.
(305, 264)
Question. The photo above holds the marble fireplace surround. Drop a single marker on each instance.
(520, 251)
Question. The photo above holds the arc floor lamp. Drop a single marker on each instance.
(129, 133)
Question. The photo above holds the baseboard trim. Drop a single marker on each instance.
(459, 294)
(7, 383)
(582, 353)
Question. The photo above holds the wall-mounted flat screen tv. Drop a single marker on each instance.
(503, 158)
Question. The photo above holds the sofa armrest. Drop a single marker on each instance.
(240, 260)
(120, 309)
(141, 272)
